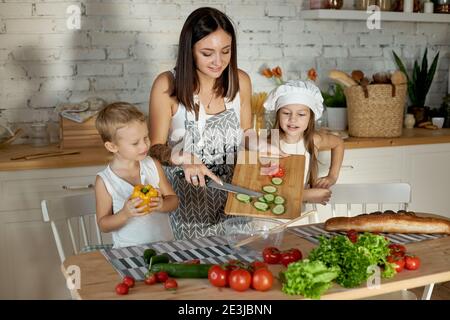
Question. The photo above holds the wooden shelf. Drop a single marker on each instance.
(324, 14)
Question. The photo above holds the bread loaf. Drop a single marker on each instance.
(401, 222)
(342, 78)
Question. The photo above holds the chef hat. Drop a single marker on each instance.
(296, 92)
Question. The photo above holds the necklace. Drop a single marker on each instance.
(209, 103)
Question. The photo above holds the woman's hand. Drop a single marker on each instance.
(325, 182)
(195, 174)
(317, 195)
(131, 208)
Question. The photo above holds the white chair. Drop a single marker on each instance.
(73, 210)
(365, 198)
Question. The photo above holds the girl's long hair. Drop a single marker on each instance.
(198, 25)
(308, 139)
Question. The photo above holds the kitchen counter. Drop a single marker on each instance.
(94, 156)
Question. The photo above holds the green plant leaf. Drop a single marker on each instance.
(431, 73)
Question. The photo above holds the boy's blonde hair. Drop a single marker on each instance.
(115, 116)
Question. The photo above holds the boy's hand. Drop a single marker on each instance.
(156, 203)
(131, 208)
(318, 195)
(325, 182)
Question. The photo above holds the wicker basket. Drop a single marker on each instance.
(376, 110)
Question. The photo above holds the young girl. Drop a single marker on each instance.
(298, 105)
(124, 131)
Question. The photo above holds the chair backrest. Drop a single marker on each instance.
(380, 194)
(71, 208)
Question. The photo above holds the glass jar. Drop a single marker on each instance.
(39, 135)
(364, 4)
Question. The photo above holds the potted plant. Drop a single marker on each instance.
(336, 105)
(418, 85)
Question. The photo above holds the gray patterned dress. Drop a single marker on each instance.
(215, 141)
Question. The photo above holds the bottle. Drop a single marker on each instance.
(410, 121)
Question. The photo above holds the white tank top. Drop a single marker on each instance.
(297, 149)
(138, 230)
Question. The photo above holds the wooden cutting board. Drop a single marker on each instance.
(247, 174)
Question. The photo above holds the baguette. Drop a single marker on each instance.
(402, 222)
(342, 78)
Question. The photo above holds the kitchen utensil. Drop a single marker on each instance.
(14, 135)
(225, 186)
(247, 174)
(273, 230)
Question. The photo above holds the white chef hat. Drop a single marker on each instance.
(296, 92)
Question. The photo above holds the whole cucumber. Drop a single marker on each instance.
(148, 253)
(180, 270)
(162, 258)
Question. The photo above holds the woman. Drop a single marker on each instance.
(201, 108)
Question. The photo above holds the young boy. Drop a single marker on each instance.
(124, 131)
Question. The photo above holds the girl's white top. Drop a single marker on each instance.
(297, 148)
(137, 230)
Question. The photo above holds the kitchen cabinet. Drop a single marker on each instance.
(424, 167)
(30, 267)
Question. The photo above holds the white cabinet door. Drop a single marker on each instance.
(428, 172)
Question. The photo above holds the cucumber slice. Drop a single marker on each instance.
(277, 181)
(269, 189)
(261, 199)
(261, 206)
(278, 209)
(243, 197)
(279, 200)
(269, 198)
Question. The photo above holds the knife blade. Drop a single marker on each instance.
(226, 186)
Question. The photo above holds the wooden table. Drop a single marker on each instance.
(98, 277)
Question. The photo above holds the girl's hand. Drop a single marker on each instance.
(156, 203)
(325, 182)
(131, 208)
(317, 195)
(195, 174)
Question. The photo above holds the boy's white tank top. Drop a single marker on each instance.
(138, 230)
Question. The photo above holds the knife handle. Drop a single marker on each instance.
(180, 174)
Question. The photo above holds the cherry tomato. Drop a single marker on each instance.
(129, 281)
(218, 276)
(262, 280)
(397, 250)
(271, 255)
(255, 265)
(352, 235)
(122, 289)
(289, 256)
(162, 276)
(412, 262)
(240, 279)
(170, 284)
(399, 263)
(279, 174)
(151, 279)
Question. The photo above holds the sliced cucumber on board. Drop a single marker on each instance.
(277, 181)
(279, 200)
(269, 189)
(261, 206)
(243, 197)
(278, 209)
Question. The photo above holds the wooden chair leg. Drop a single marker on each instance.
(427, 292)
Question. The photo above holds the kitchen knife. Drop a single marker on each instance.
(226, 186)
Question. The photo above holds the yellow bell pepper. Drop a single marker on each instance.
(144, 192)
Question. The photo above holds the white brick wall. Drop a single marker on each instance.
(124, 44)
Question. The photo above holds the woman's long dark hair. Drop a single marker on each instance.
(198, 25)
(308, 140)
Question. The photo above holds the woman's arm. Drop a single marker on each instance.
(326, 141)
(245, 92)
(106, 220)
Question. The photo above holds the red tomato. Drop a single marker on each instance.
(352, 235)
(151, 279)
(122, 288)
(129, 281)
(262, 280)
(399, 263)
(412, 262)
(162, 276)
(289, 256)
(397, 250)
(279, 174)
(240, 279)
(218, 276)
(170, 284)
(255, 265)
(271, 255)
